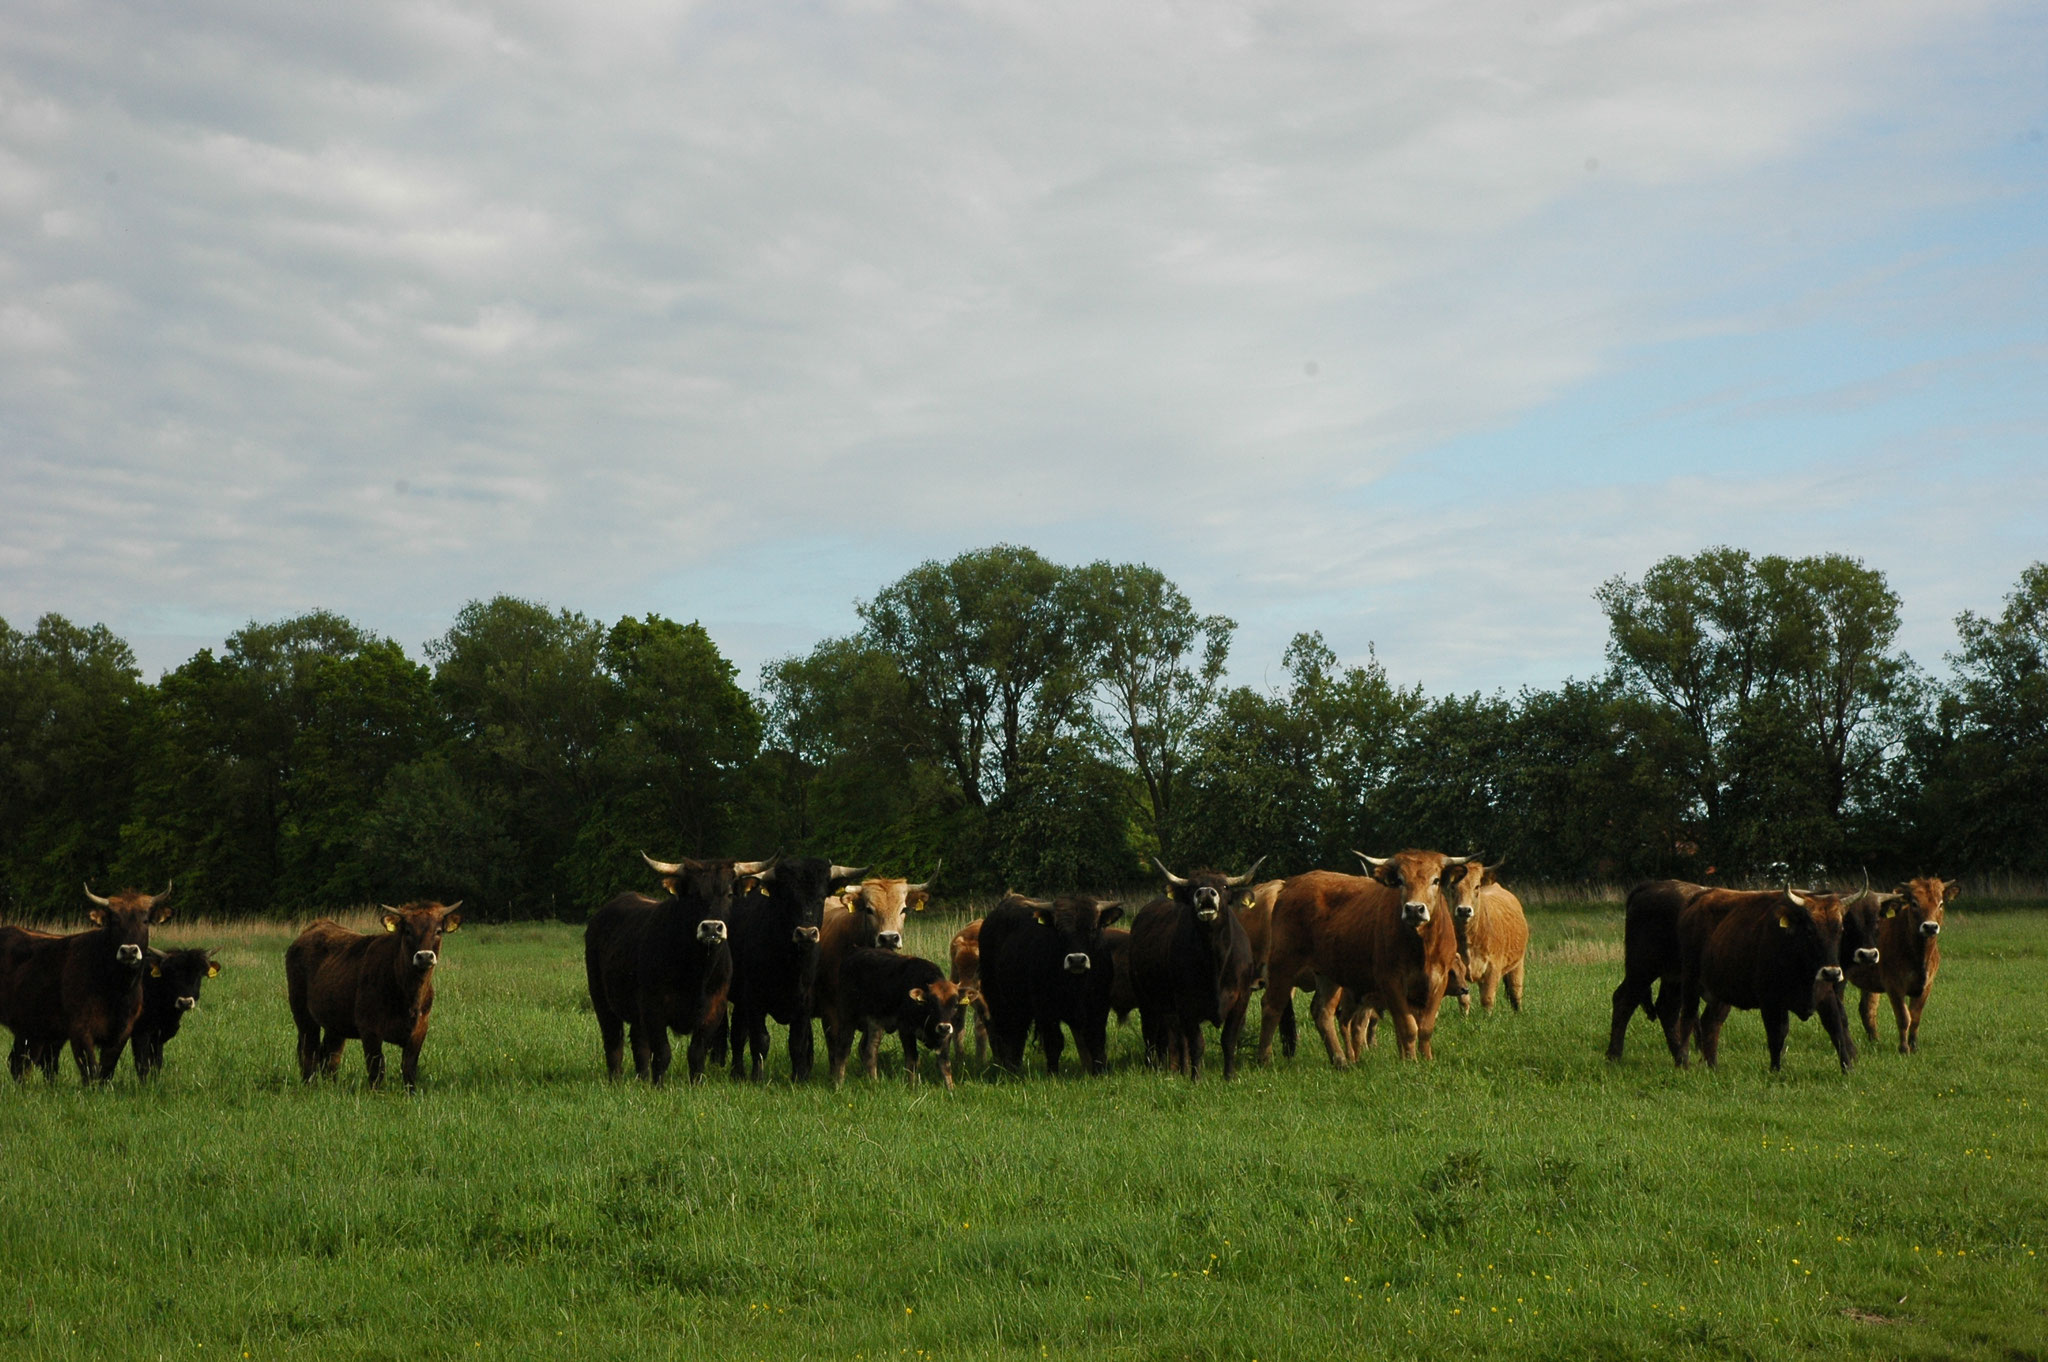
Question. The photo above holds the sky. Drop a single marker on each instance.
(1410, 323)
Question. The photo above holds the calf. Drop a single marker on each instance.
(1191, 962)
(660, 965)
(1383, 939)
(376, 988)
(1905, 927)
(1653, 963)
(1044, 964)
(869, 913)
(775, 932)
(1776, 951)
(84, 989)
(965, 955)
(169, 991)
(1493, 934)
(882, 991)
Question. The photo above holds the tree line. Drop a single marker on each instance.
(1035, 725)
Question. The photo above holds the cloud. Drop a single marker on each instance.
(384, 307)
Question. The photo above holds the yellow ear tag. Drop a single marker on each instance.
(213, 971)
(156, 971)
(1784, 920)
(1891, 912)
(390, 924)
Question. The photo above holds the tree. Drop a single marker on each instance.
(1156, 671)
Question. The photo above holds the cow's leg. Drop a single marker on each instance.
(1777, 1025)
(1323, 1012)
(720, 1038)
(309, 1052)
(838, 1045)
(980, 1034)
(373, 1059)
(871, 1051)
(1682, 1026)
(49, 1057)
(1274, 1004)
(18, 1059)
(1834, 1019)
(643, 1049)
(1358, 1032)
(910, 1073)
(1051, 1040)
(147, 1056)
(738, 1024)
(1465, 995)
(1627, 997)
(1902, 1014)
(1233, 1034)
(802, 1051)
(1407, 1029)
(1709, 1031)
(757, 1048)
(1152, 1028)
(409, 1063)
(1867, 1008)
(1513, 980)
(611, 1027)
(946, 1053)
(332, 1042)
(660, 1052)
(702, 1037)
(1917, 1006)
(1195, 1039)
(1489, 989)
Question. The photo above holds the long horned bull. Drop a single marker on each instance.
(108, 903)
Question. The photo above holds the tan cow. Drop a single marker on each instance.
(1386, 937)
(866, 914)
(1909, 921)
(1493, 935)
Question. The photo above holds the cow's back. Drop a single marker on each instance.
(1499, 932)
(613, 945)
(1333, 924)
(32, 983)
(324, 969)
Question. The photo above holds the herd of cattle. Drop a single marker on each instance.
(734, 945)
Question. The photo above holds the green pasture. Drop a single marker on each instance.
(1517, 1197)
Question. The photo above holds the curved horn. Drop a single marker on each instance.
(1463, 860)
(451, 907)
(760, 870)
(926, 887)
(664, 867)
(1375, 862)
(847, 872)
(1171, 878)
(169, 885)
(1798, 900)
(95, 897)
(1240, 881)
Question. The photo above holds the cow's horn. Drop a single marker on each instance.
(1240, 881)
(168, 887)
(663, 867)
(95, 897)
(926, 887)
(847, 872)
(451, 907)
(1374, 861)
(1798, 901)
(760, 870)
(1171, 878)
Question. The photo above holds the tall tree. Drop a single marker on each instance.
(1156, 670)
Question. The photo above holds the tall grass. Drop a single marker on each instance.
(1518, 1197)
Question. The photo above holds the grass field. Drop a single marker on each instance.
(1518, 1197)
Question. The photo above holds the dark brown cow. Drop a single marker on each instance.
(885, 991)
(1123, 999)
(1908, 924)
(84, 990)
(1386, 937)
(1775, 951)
(1653, 965)
(376, 988)
(170, 990)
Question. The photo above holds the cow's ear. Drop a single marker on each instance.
(213, 969)
(392, 918)
(1785, 920)
(1891, 910)
(451, 922)
(156, 969)
(1045, 915)
(161, 912)
(917, 995)
(1951, 891)
(1109, 915)
(97, 917)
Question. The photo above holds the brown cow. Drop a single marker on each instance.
(1493, 934)
(1385, 937)
(1653, 965)
(1776, 951)
(376, 988)
(84, 989)
(1257, 917)
(1908, 921)
(965, 953)
(869, 913)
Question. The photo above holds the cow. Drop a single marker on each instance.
(1045, 965)
(170, 989)
(1257, 917)
(882, 991)
(83, 989)
(376, 988)
(1123, 999)
(964, 951)
(1190, 963)
(1907, 953)
(775, 931)
(869, 913)
(1384, 937)
(661, 965)
(1493, 935)
(1652, 962)
(1775, 951)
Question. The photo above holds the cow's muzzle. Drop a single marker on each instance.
(805, 936)
(1866, 955)
(1206, 913)
(711, 933)
(1462, 913)
(1831, 973)
(888, 941)
(1078, 962)
(1414, 914)
(945, 1030)
(128, 953)
(1930, 929)
(425, 959)
(184, 1004)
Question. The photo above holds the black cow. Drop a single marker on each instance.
(84, 989)
(656, 966)
(1191, 962)
(883, 991)
(1778, 952)
(1044, 964)
(169, 990)
(1653, 963)
(775, 958)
